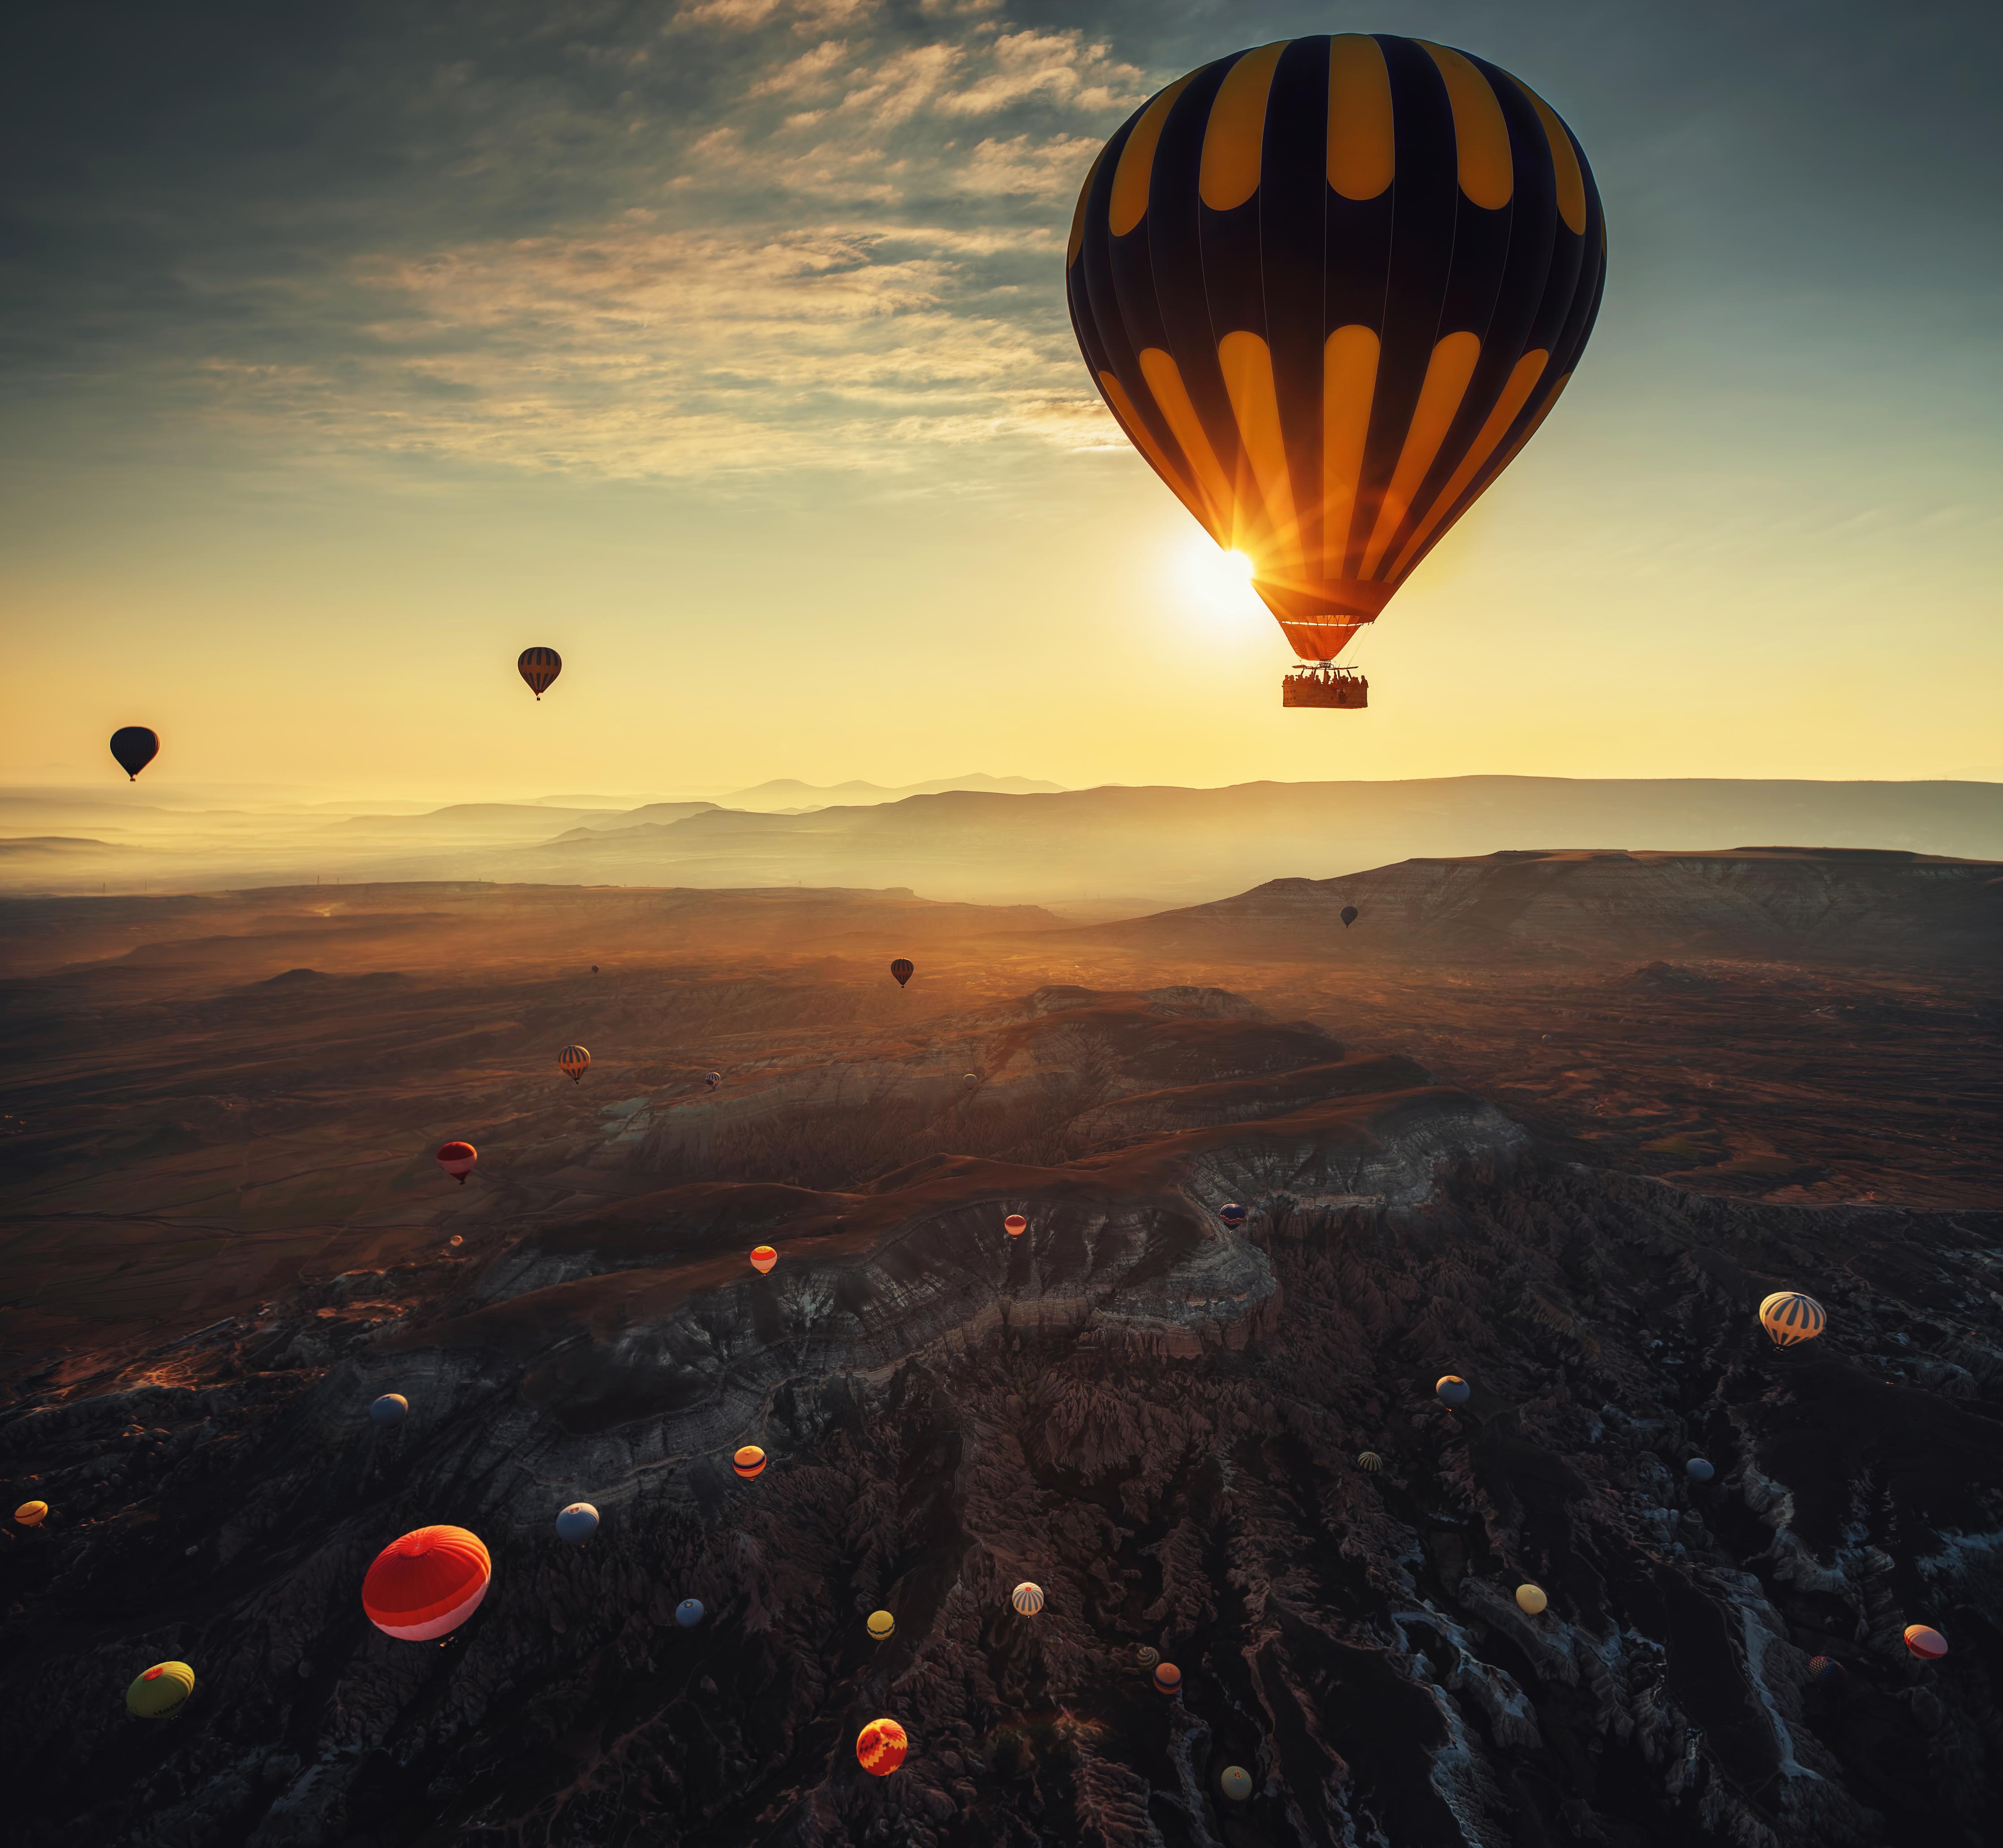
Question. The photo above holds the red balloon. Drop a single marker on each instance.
(1925, 1642)
(1014, 1225)
(880, 1747)
(457, 1158)
(427, 1584)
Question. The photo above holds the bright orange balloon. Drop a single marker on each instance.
(574, 1062)
(880, 1747)
(1926, 1643)
(31, 1514)
(1168, 1677)
(762, 1258)
(748, 1462)
(1014, 1225)
(426, 1584)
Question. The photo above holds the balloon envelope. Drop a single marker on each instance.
(881, 1624)
(1531, 1598)
(1348, 915)
(748, 1462)
(134, 747)
(903, 970)
(1027, 1598)
(1698, 1470)
(161, 1692)
(1453, 1390)
(1236, 1782)
(1148, 1657)
(1926, 1643)
(762, 1258)
(689, 1612)
(426, 1584)
(1822, 1670)
(391, 1408)
(1168, 1677)
(1790, 1318)
(31, 1514)
(1233, 1215)
(1370, 1461)
(539, 667)
(1328, 288)
(1014, 1225)
(457, 1159)
(880, 1747)
(712, 1079)
(577, 1523)
(574, 1062)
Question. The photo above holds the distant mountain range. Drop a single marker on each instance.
(786, 794)
(1099, 853)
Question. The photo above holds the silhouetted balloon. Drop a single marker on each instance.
(1371, 1462)
(574, 1062)
(594, 968)
(1926, 1643)
(972, 1078)
(31, 1514)
(577, 1523)
(391, 1408)
(539, 667)
(903, 970)
(457, 1159)
(134, 747)
(1348, 915)
(712, 1079)
(1698, 1470)
(1168, 1677)
(1014, 1225)
(1236, 1782)
(762, 1258)
(1453, 1390)
(1531, 1599)
(1329, 288)
(748, 1462)
(689, 1612)
(1233, 1216)
(161, 1692)
(426, 1584)
(880, 1747)
(1027, 1598)
(881, 1625)
(1822, 1670)
(1791, 1318)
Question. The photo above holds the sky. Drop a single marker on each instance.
(346, 350)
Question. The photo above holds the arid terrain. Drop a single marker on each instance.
(1552, 1121)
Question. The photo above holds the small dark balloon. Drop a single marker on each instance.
(134, 747)
(1348, 915)
(539, 667)
(903, 971)
(1233, 1216)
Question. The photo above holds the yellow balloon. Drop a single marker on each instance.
(1791, 1318)
(881, 1624)
(161, 1692)
(31, 1514)
(1531, 1598)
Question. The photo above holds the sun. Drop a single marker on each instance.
(1220, 581)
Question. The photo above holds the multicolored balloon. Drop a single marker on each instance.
(574, 1062)
(880, 1747)
(762, 1258)
(134, 747)
(881, 1625)
(1370, 1462)
(1329, 288)
(426, 1584)
(457, 1159)
(1028, 1599)
(161, 1692)
(577, 1523)
(1925, 1642)
(1168, 1678)
(1791, 1318)
(539, 667)
(748, 1462)
(1233, 1216)
(712, 1080)
(903, 969)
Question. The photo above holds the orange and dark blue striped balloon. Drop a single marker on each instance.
(1329, 288)
(539, 667)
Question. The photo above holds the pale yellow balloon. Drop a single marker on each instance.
(1531, 1598)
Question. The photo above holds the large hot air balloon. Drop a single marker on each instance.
(1349, 915)
(31, 1514)
(574, 1062)
(161, 1692)
(426, 1584)
(134, 747)
(903, 969)
(1329, 288)
(880, 1747)
(748, 1461)
(577, 1523)
(457, 1159)
(1028, 1599)
(539, 667)
(762, 1258)
(1791, 1318)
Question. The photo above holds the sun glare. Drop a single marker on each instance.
(1220, 582)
